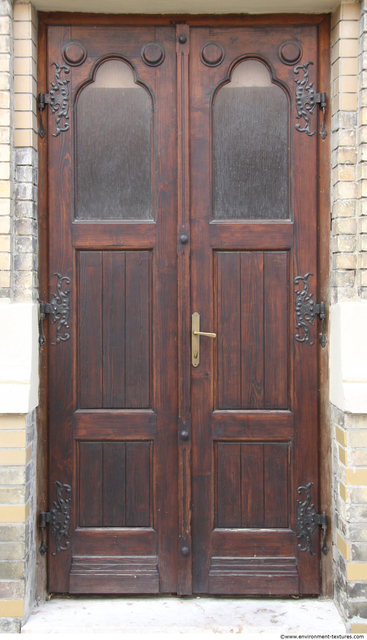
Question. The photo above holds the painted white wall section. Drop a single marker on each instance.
(348, 356)
(188, 6)
(18, 357)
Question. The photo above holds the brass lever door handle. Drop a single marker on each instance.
(204, 333)
(195, 338)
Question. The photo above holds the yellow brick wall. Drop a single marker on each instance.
(344, 105)
(348, 276)
(6, 137)
(25, 75)
(18, 265)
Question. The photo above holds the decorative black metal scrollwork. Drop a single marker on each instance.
(59, 310)
(58, 518)
(306, 100)
(306, 310)
(59, 98)
(308, 520)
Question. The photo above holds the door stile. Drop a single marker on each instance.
(60, 355)
(184, 582)
(306, 466)
(202, 302)
(165, 327)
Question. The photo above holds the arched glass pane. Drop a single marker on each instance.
(113, 147)
(251, 150)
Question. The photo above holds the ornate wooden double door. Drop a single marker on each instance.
(179, 184)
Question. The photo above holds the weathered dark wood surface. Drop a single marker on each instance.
(113, 401)
(120, 387)
(261, 441)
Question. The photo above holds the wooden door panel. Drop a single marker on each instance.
(252, 326)
(120, 235)
(276, 575)
(116, 431)
(276, 338)
(252, 330)
(125, 431)
(90, 336)
(229, 330)
(115, 484)
(115, 329)
(247, 392)
(252, 485)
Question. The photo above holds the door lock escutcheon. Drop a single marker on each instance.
(195, 338)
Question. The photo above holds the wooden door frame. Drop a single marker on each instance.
(324, 168)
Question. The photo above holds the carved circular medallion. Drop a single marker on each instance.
(290, 52)
(152, 54)
(74, 53)
(212, 54)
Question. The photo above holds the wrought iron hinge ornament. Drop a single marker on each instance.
(59, 310)
(58, 518)
(308, 520)
(307, 99)
(306, 310)
(58, 99)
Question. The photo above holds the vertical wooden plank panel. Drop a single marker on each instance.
(229, 485)
(228, 330)
(114, 484)
(138, 327)
(90, 484)
(276, 484)
(138, 488)
(114, 375)
(252, 485)
(276, 330)
(252, 329)
(90, 329)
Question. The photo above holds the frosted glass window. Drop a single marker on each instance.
(251, 149)
(114, 147)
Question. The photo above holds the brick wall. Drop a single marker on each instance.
(344, 85)
(6, 138)
(349, 290)
(18, 290)
(25, 143)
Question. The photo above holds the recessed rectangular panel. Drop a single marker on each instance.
(138, 328)
(228, 485)
(115, 329)
(90, 329)
(229, 329)
(252, 485)
(114, 337)
(114, 484)
(276, 472)
(252, 329)
(138, 484)
(276, 330)
(90, 484)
